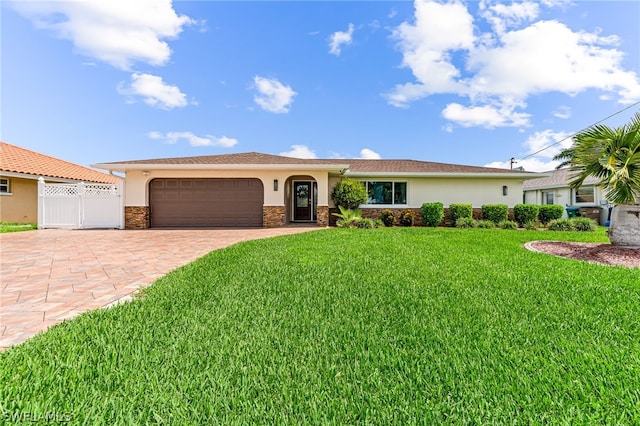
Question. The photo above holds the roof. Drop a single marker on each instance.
(556, 179)
(353, 167)
(14, 159)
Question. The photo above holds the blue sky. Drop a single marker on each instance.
(459, 82)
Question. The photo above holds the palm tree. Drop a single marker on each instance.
(613, 156)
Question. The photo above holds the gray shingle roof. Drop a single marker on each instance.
(558, 178)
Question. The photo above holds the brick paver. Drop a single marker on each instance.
(50, 275)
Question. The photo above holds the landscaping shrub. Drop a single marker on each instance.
(367, 223)
(585, 224)
(466, 222)
(524, 213)
(432, 213)
(459, 211)
(549, 212)
(349, 193)
(496, 213)
(531, 225)
(507, 224)
(561, 225)
(487, 224)
(407, 217)
(388, 217)
(347, 217)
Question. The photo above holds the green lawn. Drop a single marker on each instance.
(350, 326)
(16, 227)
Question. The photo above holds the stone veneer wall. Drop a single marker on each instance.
(136, 217)
(273, 216)
(322, 215)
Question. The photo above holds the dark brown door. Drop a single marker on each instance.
(302, 200)
(189, 202)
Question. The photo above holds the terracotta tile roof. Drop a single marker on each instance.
(20, 160)
(557, 178)
(355, 165)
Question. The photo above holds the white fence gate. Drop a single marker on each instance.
(81, 205)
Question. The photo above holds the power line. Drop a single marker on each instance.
(572, 135)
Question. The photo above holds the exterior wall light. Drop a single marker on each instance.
(145, 173)
(505, 190)
(275, 184)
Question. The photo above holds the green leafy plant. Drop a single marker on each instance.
(507, 224)
(349, 193)
(496, 213)
(561, 225)
(432, 213)
(466, 222)
(549, 212)
(585, 224)
(486, 224)
(347, 217)
(407, 217)
(531, 225)
(524, 213)
(459, 211)
(388, 217)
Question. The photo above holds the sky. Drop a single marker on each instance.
(475, 83)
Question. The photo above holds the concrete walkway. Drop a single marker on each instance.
(48, 276)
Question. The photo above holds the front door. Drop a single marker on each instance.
(302, 201)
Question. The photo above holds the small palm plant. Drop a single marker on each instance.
(347, 218)
(613, 156)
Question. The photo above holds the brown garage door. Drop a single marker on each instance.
(205, 202)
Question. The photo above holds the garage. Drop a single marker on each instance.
(192, 202)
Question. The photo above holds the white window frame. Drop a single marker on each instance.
(5, 183)
(393, 193)
(575, 195)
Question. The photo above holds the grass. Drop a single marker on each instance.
(394, 325)
(16, 227)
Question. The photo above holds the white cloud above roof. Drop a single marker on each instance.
(300, 151)
(193, 140)
(340, 38)
(273, 96)
(119, 33)
(498, 71)
(154, 91)
(368, 154)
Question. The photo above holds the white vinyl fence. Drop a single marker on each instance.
(80, 205)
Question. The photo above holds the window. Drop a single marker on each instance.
(584, 194)
(386, 192)
(4, 186)
(547, 198)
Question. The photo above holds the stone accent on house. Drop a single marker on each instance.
(273, 216)
(374, 213)
(322, 215)
(136, 217)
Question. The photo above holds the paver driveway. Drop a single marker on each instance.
(51, 275)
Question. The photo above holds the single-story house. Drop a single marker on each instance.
(20, 170)
(263, 190)
(554, 189)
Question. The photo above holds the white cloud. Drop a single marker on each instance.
(299, 151)
(154, 91)
(486, 116)
(273, 96)
(368, 154)
(193, 140)
(529, 165)
(119, 33)
(498, 71)
(562, 112)
(340, 38)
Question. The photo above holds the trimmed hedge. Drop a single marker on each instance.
(496, 213)
(349, 193)
(406, 217)
(525, 213)
(549, 212)
(432, 213)
(460, 211)
(388, 217)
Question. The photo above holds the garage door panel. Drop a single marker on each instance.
(186, 202)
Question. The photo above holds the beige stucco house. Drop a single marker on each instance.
(20, 170)
(254, 189)
(554, 189)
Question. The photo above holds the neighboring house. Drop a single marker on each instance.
(20, 170)
(254, 189)
(554, 189)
